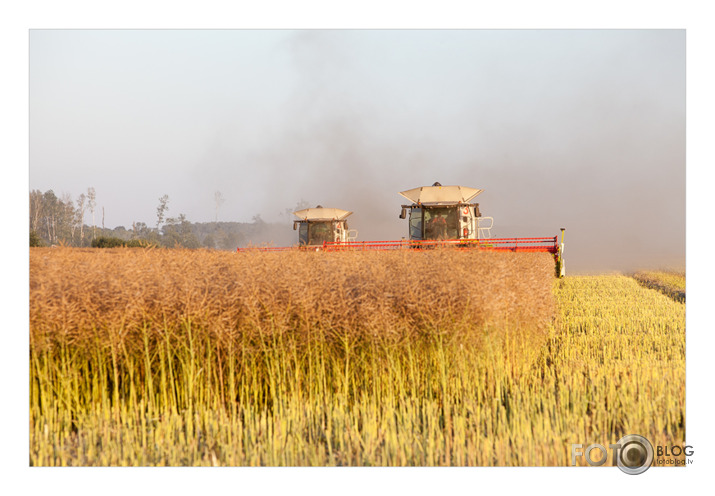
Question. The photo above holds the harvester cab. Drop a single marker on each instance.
(444, 212)
(319, 225)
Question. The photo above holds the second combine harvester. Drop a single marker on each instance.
(320, 225)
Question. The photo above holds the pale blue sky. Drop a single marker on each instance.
(574, 128)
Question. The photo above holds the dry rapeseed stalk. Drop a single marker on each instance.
(81, 296)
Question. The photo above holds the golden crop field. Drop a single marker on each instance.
(149, 357)
(671, 283)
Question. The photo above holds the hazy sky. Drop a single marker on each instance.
(583, 129)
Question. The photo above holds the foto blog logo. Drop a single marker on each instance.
(633, 454)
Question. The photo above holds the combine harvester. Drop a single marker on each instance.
(443, 216)
(439, 216)
(321, 225)
(316, 227)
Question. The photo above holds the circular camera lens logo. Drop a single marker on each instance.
(635, 455)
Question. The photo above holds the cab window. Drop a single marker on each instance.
(416, 223)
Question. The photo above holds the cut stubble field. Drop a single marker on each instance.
(150, 357)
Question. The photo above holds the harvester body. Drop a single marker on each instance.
(444, 212)
(320, 225)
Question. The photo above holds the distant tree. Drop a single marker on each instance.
(188, 238)
(52, 218)
(161, 210)
(230, 240)
(61, 220)
(36, 210)
(81, 208)
(140, 231)
(209, 242)
(91, 203)
(170, 232)
(49, 210)
(66, 219)
(178, 232)
(121, 232)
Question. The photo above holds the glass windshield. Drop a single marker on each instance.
(441, 223)
(303, 233)
(319, 232)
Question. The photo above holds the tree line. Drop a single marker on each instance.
(63, 221)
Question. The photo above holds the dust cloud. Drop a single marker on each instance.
(593, 142)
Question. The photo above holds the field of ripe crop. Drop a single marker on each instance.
(670, 283)
(171, 357)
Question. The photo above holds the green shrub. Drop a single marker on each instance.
(35, 240)
(112, 242)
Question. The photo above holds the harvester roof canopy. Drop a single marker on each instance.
(322, 213)
(441, 195)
